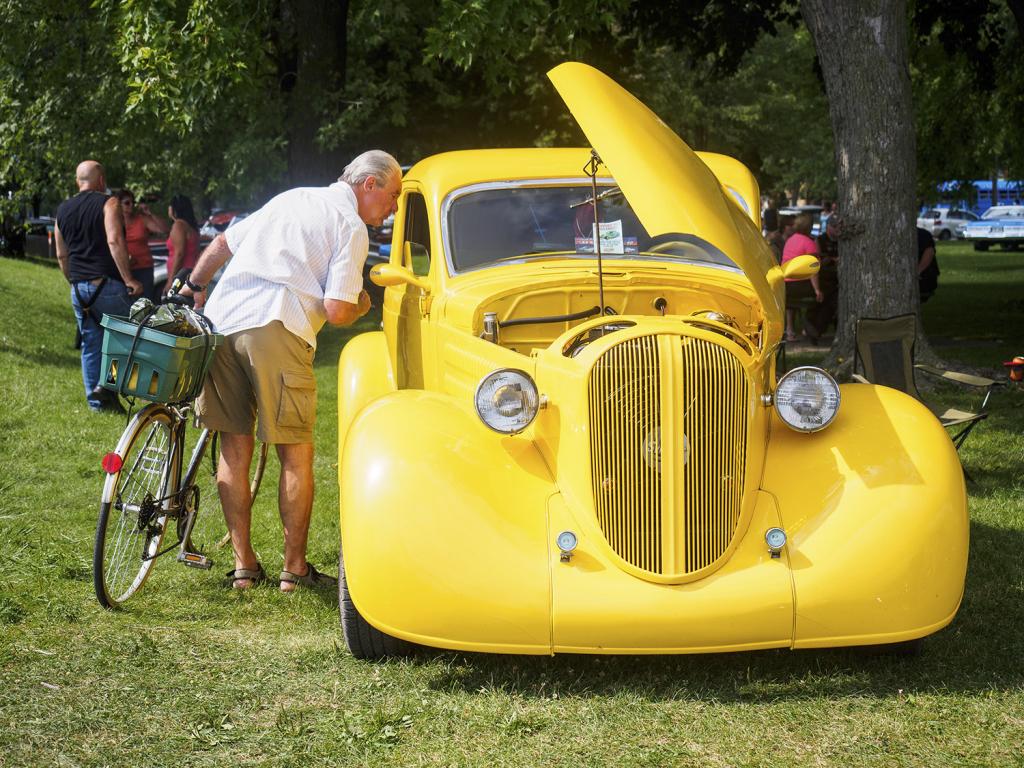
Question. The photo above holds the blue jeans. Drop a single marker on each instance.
(111, 299)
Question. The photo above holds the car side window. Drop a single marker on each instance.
(417, 235)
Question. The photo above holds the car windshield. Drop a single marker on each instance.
(524, 221)
(1004, 212)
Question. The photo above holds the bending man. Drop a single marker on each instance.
(295, 263)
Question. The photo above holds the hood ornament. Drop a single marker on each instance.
(650, 449)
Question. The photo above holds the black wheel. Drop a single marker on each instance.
(945, 234)
(364, 640)
(133, 519)
(980, 246)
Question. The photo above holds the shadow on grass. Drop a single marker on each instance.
(979, 652)
(46, 356)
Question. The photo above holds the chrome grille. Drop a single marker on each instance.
(668, 427)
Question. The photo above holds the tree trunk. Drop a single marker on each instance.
(862, 48)
(311, 61)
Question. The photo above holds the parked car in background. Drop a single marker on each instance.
(945, 223)
(39, 239)
(1001, 225)
(216, 223)
(545, 452)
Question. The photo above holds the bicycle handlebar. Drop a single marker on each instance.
(173, 297)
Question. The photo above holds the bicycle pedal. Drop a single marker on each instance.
(195, 560)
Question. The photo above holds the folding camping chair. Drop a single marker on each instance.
(885, 350)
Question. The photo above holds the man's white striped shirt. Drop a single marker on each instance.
(303, 246)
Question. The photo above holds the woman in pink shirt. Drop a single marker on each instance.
(183, 244)
(799, 244)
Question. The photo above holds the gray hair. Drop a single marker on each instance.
(376, 163)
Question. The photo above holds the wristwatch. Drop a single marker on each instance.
(193, 287)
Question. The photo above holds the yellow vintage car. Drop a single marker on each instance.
(571, 435)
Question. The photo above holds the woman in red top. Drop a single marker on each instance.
(183, 244)
(139, 223)
(798, 244)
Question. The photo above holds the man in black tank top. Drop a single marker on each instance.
(93, 257)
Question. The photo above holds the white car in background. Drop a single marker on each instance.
(1000, 224)
(945, 223)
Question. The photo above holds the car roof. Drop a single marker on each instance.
(449, 170)
(796, 210)
(1005, 210)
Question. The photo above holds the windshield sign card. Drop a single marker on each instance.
(613, 242)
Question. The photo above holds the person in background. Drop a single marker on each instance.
(927, 265)
(798, 244)
(183, 244)
(822, 314)
(827, 210)
(786, 226)
(295, 264)
(139, 224)
(91, 251)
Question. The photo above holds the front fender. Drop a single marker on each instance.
(364, 374)
(875, 510)
(444, 527)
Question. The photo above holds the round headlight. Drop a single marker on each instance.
(507, 401)
(807, 399)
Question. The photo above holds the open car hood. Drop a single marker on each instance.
(668, 186)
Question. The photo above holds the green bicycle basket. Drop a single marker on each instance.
(154, 365)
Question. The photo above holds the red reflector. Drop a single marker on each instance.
(112, 463)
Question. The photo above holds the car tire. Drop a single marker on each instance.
(945, 234)
(981, 246)
(364, 640)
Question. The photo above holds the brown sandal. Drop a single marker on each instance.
(254, 575)
(312, 578)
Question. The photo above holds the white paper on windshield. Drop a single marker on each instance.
(611, 237)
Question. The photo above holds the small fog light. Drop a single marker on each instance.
(776, 540)
(566, 543)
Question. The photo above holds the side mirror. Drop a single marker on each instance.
(386, 275)
(801, 268)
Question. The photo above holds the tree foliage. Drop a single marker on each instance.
(967, 84)
(231, 100)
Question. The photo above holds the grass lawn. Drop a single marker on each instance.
(194, 674)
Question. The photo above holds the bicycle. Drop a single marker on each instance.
(149, 489)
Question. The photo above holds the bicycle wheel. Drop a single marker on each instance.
(141, 473)
(259, 465)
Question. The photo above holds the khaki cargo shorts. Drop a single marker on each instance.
(262, 377)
